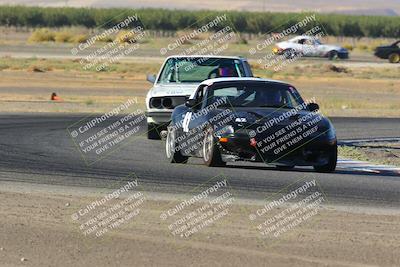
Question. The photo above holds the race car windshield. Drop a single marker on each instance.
(255, 95)
(195, 70)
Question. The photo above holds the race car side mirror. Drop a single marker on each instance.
(151, 78)
(313, 107)
(190, 103)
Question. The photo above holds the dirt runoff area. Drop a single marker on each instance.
(44, 226)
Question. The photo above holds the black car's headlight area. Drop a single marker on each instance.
(225, 131)
(330, 133)
(327, 130)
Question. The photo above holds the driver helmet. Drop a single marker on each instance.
(226, 71)
(271, 97)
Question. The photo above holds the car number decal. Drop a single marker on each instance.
(186, 121)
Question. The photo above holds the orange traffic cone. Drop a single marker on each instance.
(55, 97)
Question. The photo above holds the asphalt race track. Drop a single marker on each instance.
(36, 148)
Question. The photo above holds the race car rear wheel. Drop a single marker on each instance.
(394, 58)
(332, 160)
(172, 151)
(333, 55)
(210, 151)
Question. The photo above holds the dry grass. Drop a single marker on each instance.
(387, 156)
(359, 44)
(352, 91)
(140, 69)
(60, 36)
(125, 36)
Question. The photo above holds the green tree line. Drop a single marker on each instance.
(172, 20)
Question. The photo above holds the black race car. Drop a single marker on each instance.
(251, 119)
(390, 52)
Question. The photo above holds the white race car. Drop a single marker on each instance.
(309, 46)
(178, 78)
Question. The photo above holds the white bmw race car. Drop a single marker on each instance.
(309, 46)
(178, 79)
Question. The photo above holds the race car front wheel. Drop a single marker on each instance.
(210, 150)
(172, 150)
(394, 58)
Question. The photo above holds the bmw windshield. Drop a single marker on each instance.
(195, 70)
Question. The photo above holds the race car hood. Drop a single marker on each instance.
(385, 47)
(173, 89)
(259, 116)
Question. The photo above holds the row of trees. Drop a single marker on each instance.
(171, 20)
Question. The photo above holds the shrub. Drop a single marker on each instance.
(242, 40)
(106, 39)
(348, 47)
(125, 36)
(63, 37)
(186, 33)
(36, 69)
(79, 38)
(42, 35)
(362, 46)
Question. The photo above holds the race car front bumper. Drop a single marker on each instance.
(159, 117)
(307, 153)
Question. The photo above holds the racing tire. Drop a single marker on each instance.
(332, 161)
(333, 55)
(210, 150)
(173, 154)
(289, 53)
(153, 132)
(394, 58)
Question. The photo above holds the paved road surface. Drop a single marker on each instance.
(36, 148)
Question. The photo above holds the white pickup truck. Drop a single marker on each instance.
(178, 79)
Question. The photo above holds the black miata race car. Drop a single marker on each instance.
(251, 119)
(390, 52)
